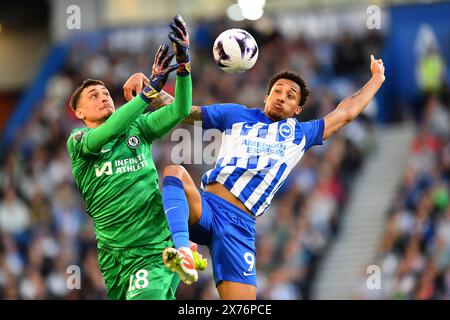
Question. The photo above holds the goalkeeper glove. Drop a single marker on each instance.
(160, 73)
(180, 42)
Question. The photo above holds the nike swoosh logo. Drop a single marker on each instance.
(135, 294)
(105, 151)
(170, 209)
(248, 274)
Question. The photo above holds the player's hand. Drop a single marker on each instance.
(160, 73)
(180, 41)
(134, 84)
(377, 68)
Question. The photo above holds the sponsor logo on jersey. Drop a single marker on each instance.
(106, 168)
(122, 165)
(260, 147)
(133, 141)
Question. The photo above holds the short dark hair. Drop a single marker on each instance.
(293, 76)
(77, 93)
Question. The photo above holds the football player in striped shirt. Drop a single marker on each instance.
(259, 149)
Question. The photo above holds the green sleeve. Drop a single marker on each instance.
(163, 120)
(116, 124)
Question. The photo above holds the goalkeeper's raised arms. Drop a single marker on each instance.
(121, 119)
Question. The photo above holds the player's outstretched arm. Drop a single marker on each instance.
(349, 108)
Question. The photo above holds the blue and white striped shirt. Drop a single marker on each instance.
(256, 154)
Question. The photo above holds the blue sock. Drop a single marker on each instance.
(177, 210)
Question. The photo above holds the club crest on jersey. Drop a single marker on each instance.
(133, 141)
(286, 131)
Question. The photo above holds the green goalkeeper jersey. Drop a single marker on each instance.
(114, 170)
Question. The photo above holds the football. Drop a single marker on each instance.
(235, 50)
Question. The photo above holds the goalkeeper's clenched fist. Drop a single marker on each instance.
(160, 72)
(180, 42)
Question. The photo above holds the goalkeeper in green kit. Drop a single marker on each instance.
(114, 170)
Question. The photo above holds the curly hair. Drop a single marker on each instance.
(293, 76)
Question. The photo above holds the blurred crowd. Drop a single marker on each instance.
(414, 252)
(44, 229)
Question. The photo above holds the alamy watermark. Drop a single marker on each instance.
(73, 20)
(373, 281)
(190, 148)
(73, 281)
(374, 17)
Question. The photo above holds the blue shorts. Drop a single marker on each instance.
(229, 233)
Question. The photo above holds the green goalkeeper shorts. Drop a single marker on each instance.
(136, 274)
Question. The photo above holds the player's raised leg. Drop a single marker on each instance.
(182, 205)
